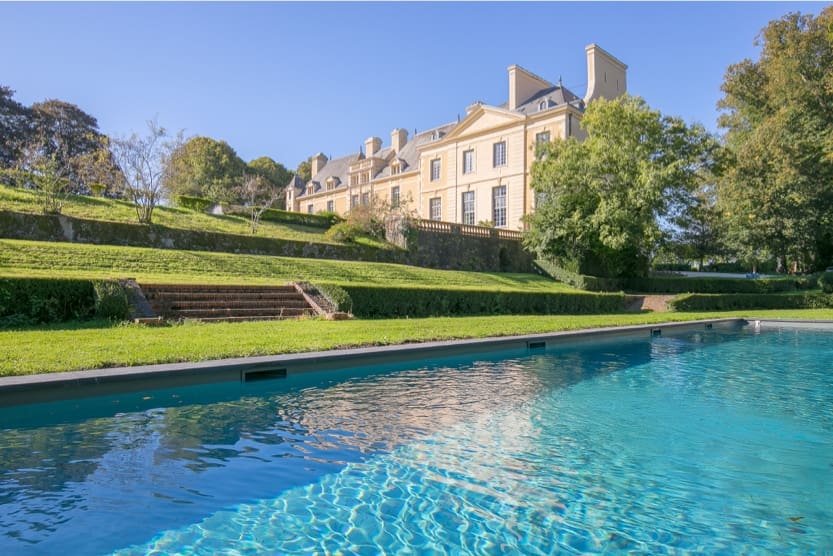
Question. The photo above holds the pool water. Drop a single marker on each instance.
(706, 442)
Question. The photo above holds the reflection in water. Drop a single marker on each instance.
(173, 457)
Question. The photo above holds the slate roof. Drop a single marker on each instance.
(553, 96)
(296, 183)
(338, 168)
(409, 154)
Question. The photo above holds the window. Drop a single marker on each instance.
(394, 168)
(365, 198)
(354, 201)
(310, 209)
(468, 161)
(309, 190)
(435, 210)
(499, 206)
(499, 154)
(468, 208)
(540, 198)
(331, 207)
(542, 105)
(543, 137)
(435, 169)
(394, 197)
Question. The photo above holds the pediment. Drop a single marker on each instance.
(482, 119)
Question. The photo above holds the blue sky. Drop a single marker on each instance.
(287, 80)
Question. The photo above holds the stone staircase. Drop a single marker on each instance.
(227, 303)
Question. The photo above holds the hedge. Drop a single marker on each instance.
(738, 301)
(197, 204)
(680, 284)
(580, 281)
(27, 301)
(287, 217)
(382, 302)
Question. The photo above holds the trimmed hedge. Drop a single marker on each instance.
(28, 301)
(738, 301)
(580, 281)
(197, 204)
(825, 282)
(381, 302)
(337, 296)
(681, 284)
(287, 217)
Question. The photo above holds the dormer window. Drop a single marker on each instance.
(542, 105)
(395, 168)
(331, 184)
(310, 189)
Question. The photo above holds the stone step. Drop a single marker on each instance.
(177, 304)
(212, 296)
(150, 288)
(222, 312)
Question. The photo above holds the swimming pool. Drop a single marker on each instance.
(706, 441)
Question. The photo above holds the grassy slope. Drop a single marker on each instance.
(96, 208)
(33, 258)
(96, 344)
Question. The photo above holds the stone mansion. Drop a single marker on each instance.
(467, 172)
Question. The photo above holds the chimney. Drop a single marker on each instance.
(398, 138)
(522, 85)
(372, 146)
(606, 76)
(317, 163)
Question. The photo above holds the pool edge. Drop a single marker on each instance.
(28, 389)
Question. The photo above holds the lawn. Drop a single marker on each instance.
(111, 210)
(75, 260)
(90, 345)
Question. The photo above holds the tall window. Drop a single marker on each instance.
(435, 169)
(435, 208)
(499, 206)
(365, 198)
(468, 208)
(499, 154)
(310, 209)
(543, 137)
(468, 161)
(331, 207)
(394, 197)
(354, 201)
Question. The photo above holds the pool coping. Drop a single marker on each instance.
(27, 389)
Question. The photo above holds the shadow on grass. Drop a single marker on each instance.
(87, 324)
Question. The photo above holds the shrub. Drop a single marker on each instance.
(674, 284)
(110, 300)
(286, 217)
(382, 302)
(197, 204)
(45, 300)
(345, 232)
(738, 301)
(337, 296)
(825, 282)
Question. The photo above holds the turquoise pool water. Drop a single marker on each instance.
(707, 442)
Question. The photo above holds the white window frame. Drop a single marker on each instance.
(310, 209)
(499, 206)
(435, 208)
(365, 199)
(542, 137)
(468, 204)
(435, 169)
(499, 154)
(331, 206)
(354, 200)
(394, 196)
(468, 168)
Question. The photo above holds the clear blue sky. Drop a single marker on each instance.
(287, 80)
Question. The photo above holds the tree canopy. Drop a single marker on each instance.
(777, 197)
(602, 203)
(304, 171)
(204, 167)
(15, 127)
(273, 172)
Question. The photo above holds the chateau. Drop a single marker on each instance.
(469, 171)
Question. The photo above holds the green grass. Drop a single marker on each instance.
(110, 210)
(90, 345)
(38, 259)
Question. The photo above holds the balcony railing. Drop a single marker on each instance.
(467, 230)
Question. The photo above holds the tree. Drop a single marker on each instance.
(143, 162)
(777, 197)
(15, 127)
(98, 172)
(274, 172)
(700, 230)
(45, 171)
(602, 202)
(304, 171)
(258, 194)
(204, 167)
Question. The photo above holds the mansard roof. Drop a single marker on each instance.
(337, 168)
(409, 155)
(552, 96)
(296, 183)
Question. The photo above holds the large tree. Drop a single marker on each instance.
(602, 203)
(273, 172)
(304, 170)
(15, 128)
(204, 167)
(777, 197)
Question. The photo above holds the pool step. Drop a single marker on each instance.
(228, 303)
